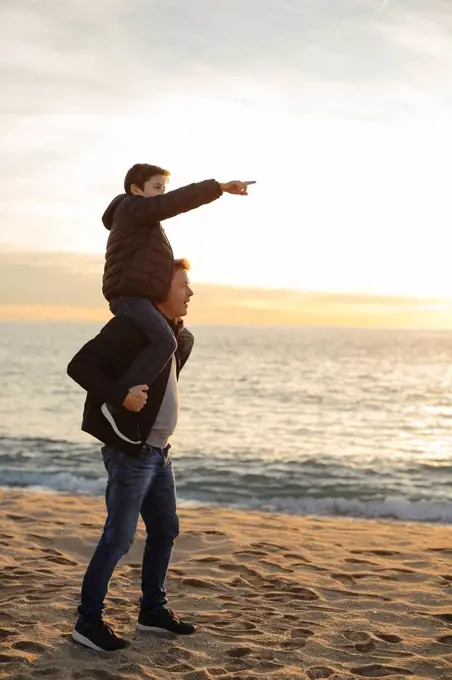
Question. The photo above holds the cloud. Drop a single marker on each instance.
(108, 57)
(60, 286)
(89, 87)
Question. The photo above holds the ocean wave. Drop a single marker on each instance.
(58, 481)
(390, 507)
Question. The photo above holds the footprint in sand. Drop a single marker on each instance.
(216, 670)
(5, 618)
(97, 674)
(446, 551)
(44, 571)
(301, 633)
(270, 666)
(376, 670)
(239, 652)
(57, 557)
(294, 643)
(295, 556)
(19, 518)
(344, 594)
(7, 632)
(198, 583)
(241, 568)
(38, 537)
(207, 560)
(196, 675)
(31, 646)
(62, 560)
(179, 654)
(446, 617)
(301, 592)
(250, 553)
(379, 553)
(179, 667)
(10, 658)
(175, 571)
(388, 637)
(268, 547)
(319, 672)
(235, 627)
(364, 643)
(51, 671)
(365, 647)
(345, 579)
(402, 570)
(18, 571)
(31, 597)
(274, 567)
(356, 635)
(445, 640)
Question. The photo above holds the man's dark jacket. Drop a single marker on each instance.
(139, 258)
(99, 365)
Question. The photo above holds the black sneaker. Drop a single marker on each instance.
(97, 635)
(164, 621)
(123, 422)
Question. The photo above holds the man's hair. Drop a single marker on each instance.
(181, 263)
(139, 175)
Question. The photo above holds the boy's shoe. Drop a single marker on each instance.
(123, 423)
(97, 635)
(164, 621)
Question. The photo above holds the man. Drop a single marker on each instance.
(140, 477)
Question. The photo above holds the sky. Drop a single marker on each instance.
(339, 109)
(65, 287)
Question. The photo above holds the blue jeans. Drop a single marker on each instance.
(136, 485)
(162, 343)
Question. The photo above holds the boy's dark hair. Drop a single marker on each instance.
(140, 173)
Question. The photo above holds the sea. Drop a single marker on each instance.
(306, 421)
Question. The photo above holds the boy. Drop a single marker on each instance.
(139, 267)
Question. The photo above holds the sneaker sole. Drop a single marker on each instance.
(86, 642)
(154, 629)
(106, 413)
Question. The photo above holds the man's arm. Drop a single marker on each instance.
(159, 208)
(90, 366)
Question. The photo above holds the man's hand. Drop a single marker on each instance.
(136, 398)
(236, 187)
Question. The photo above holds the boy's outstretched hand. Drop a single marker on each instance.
(236, 187)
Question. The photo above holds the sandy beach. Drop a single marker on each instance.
(273, 596)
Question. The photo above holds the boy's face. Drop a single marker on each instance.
(155, 186)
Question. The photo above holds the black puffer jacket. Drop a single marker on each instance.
(139, 257)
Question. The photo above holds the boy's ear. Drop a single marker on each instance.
(135, 190)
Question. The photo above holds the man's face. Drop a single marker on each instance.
(179, 295)
(153, 187)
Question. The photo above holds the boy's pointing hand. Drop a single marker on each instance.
(236, 187)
